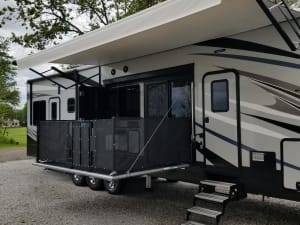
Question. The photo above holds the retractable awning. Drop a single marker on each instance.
(166, 26)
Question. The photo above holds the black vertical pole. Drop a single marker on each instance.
(77, 95)
(72, 138)
(100, 97)
(276, 25)
(38, 142)
(114, 143)
(30, 103)
(100, 69)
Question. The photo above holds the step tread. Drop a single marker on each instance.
(192, 223)
(205, 212)
(217, 183)
(211, 197)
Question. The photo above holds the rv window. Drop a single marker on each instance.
(181, 99)
(71, 105)
(39, 111)
(219, 96)
(157, 99)
(53, 111)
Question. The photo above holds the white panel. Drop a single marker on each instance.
(142, 100)
(245, 158)
(291, 164)
(199, 157)
(225, 150)
(209, 163)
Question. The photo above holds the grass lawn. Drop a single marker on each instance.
(18, 134)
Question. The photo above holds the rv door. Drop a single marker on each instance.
(54, 109)
(221, 119)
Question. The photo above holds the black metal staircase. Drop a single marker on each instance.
(210, 202)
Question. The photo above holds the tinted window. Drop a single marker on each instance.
(71, 105)
(181, 99)
(219, 96)
(39, 111)
(157, 98)
(53, 111)
(129, 101)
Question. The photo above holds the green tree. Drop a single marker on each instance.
(49, 21)
(21, 115)
(135, 6)
(8, 90)
(9, 95)
(6, 112)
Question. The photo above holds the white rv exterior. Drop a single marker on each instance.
(244, 92)
(269, 90)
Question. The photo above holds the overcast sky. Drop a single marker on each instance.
(19, 52)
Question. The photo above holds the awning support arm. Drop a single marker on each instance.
(84, 80)
(64, 75)
(58, 71)
(47, 78)
(276, 24)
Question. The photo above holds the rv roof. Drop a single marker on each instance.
(166, 26)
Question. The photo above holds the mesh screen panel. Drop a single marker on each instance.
(113, 145)
(54, 142)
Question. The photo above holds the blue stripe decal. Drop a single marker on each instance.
(244, 147)
(253, 59)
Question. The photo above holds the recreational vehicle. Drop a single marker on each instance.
(205, 91)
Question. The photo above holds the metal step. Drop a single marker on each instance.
(205, 212)
(192, 223)
(211, 197)
(216, 183)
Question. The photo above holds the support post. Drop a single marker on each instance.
(77, 94)
(148, 183)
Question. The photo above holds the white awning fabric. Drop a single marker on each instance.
(166, 26)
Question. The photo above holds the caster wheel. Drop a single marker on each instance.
(114, 187)
(95, 184)
(79, 180)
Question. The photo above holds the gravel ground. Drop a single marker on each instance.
(31, 195)
(12, 154)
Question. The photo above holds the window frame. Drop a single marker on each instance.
(35, 122)
(187, 82)
(212, 95)
(146, 96)
(54, 111)
(119, 105)
(168, 82)
(73, 111)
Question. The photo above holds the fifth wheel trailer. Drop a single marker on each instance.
(204, 91)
